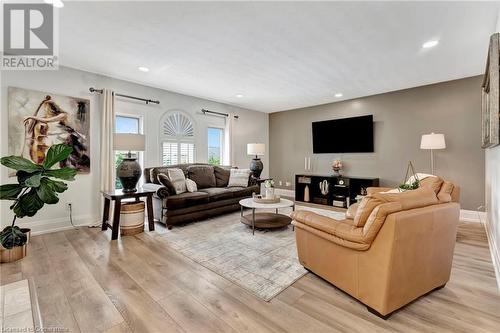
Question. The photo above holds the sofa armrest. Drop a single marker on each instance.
(161, 191)
(371, 190)
(343, 230)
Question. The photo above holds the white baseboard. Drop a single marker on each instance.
(472, 216)
(495, 255)
(47, 226)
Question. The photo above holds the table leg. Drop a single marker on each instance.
(116, 219)
(241, 210)
(105, 214)
(276, 210)
(293, 210)
(253, 221)
(151, 220)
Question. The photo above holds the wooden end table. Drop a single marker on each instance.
(118, 196)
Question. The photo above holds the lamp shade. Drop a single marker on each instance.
(257, 149)
(130, 142)
(432, 141)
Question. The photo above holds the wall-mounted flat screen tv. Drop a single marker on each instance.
(346, 135)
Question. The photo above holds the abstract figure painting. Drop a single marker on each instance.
(38, 120)
(490, 93)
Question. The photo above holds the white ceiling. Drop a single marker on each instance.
(279, 55)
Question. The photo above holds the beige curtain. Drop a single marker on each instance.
(107, 131)
(228, 155)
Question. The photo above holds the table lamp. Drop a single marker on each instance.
(432, 141)
(257, 149)
(129, 171)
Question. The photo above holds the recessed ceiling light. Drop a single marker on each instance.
(239, 95)
(55, 3)
(143, 69)
(429, 44)
(338, 95)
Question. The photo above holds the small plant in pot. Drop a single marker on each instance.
(36, 186)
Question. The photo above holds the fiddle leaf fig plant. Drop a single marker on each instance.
(35, 187)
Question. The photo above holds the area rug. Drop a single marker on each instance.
(264, 264)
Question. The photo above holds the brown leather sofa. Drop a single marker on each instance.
(390, 249)
(212, 198)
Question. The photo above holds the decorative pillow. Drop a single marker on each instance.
(191, 186)
(365, 208)
(165, 181)
(433, 182)
(239, 178)
(202, 175)
(221, 176)
(178, 180)
(351, 211)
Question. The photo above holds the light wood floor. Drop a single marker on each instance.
(85, 283)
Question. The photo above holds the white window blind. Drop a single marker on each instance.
(187, 152)
(170, 153)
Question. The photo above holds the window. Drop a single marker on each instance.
(215, 145)
(125, 124)
(177, 136)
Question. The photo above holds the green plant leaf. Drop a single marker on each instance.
(55, 185)
(46, 193)
(28, 205)
(12, 236)
(56, 154)
(34, 180)
(63, 173)
(10, 191)
(20, 163)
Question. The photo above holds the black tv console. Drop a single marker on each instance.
(339, 191)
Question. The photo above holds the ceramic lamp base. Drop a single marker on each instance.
(256, 167)
(129, 173)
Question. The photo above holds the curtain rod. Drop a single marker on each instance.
(99, 91)
(205, 111)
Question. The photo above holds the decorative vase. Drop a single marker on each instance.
(269, 192)
(256, 166)
(129, 173)
(306, 194)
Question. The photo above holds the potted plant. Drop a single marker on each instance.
(269, 185)
(35, 187)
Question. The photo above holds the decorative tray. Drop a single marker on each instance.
(260, 199)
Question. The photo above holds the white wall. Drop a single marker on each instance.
(83, 193)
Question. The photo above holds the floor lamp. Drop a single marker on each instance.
(432, 141)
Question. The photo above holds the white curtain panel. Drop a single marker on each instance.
(107, 131)
(228, 155)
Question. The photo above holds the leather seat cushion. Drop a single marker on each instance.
(186, 199)
(365, 208)
(221, 176)
(432, 182)
(421, 197)
(218, 193)
(243, 191)
(444, 194)
(202, 175)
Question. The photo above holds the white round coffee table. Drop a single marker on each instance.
(265, 220)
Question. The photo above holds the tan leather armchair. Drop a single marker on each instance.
(397, 247)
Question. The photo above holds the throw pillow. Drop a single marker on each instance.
(202, 175)
(239, 178)
(178, 180)
(191, 186)
(165, 181)
(365, 208)
(221, 176)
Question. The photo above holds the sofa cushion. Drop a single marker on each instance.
(444, 194)
(365, 208)
(186, 199)
(221, 176)
(165, 181)
(241, 192)
(191, 185)
(178, 180)
(421, 197)
(433, 182)
(218, 193)
(203, 175)
(239, 177)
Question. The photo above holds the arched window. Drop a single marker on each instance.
(177, 138)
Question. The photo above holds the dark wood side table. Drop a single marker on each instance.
(118, 196)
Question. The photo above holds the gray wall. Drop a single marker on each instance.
(400, 117)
